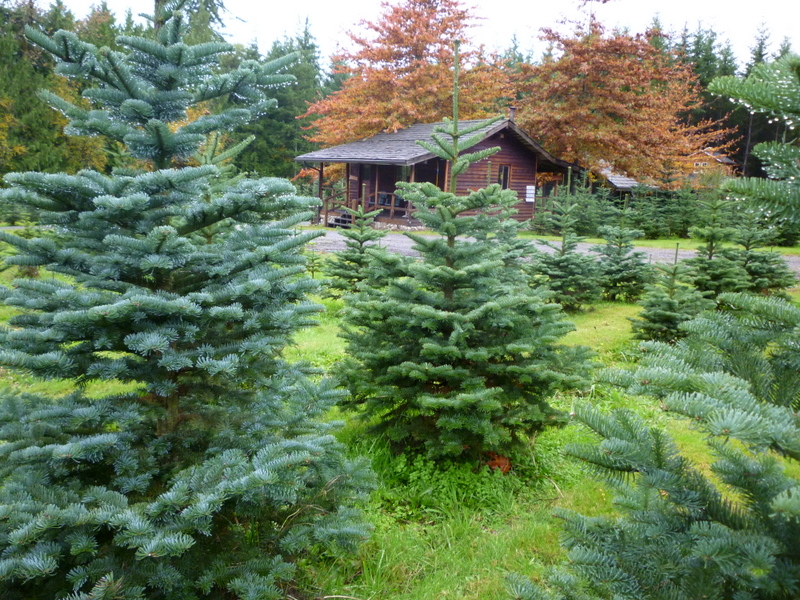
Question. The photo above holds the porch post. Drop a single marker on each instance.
(377, 189)
(321, 195)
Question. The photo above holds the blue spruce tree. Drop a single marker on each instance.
(213, 476)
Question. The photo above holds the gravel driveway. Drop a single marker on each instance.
(397, 242)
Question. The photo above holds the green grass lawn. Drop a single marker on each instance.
(663, 243)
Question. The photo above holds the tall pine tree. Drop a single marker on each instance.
(213, 476)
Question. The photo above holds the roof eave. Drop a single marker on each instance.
(371, 161)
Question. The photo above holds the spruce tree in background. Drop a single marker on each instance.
(348, 267)
(279, 134)
(30, 132)
(667, 304)
(213, 476)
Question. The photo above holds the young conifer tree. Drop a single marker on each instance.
(571, 275)
(667, 304)
(623, 272)
(348, 267)
(212, 476)
(684, 534)
(456, 355)
(767, 272)
(713, 270)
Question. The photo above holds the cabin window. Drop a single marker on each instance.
(504, 176)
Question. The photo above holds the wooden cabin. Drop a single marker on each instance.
(374, 165)
(715, 164)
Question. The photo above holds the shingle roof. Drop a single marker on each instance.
(619, 182)
(400, 148)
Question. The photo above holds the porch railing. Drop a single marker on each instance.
(390, 204)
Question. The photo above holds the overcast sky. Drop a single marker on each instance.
(499, 20)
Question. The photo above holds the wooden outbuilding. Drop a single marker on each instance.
(374, 165)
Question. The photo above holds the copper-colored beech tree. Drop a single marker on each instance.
(615, 100)
(401, 73)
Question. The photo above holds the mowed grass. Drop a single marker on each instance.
(663, 243)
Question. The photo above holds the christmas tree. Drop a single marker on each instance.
(667, 303)
(767, 272)
(713, 270)
(213, 475)
(456, 355)
(348, 267)
(684, 533)
(571, 275)
(623, 271)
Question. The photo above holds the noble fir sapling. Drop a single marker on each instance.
(667, 303)
(767, 272)
(713, 270)
(215, 475)
(347, 267)
(571, 275)
(456, 355)
(684, 533)
(623, 272)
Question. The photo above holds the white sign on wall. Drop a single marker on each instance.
(530, 193)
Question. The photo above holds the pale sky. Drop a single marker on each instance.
(734, 20)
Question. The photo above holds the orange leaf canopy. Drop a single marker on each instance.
(401, 73)
(616, 100)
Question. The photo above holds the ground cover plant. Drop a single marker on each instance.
(214, 476)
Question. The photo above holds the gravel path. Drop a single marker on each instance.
(399, 243)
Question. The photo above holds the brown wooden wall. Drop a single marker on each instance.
(519, 158)
(512, 153)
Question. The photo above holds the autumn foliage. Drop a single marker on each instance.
(615, 100)
(401, 73)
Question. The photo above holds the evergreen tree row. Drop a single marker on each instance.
(30, 132)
